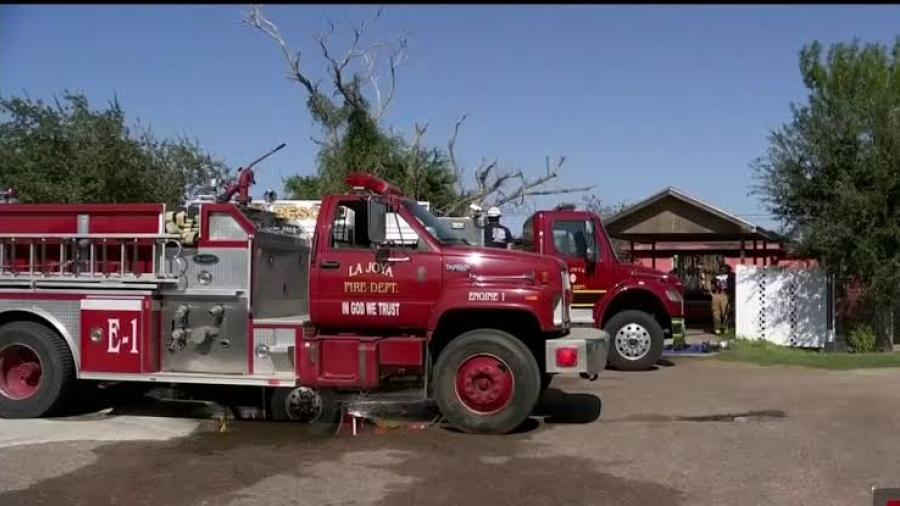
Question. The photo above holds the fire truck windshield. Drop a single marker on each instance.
(439, 229)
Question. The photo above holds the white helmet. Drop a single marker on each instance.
(494, 212)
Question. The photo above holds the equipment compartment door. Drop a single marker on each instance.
(114, 334)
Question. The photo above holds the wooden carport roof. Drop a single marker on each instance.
(673, 216)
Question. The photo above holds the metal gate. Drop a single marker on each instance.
(789, 307)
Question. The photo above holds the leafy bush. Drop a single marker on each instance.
(862, 339)
(68, 152)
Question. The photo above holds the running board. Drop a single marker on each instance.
(196, 378)
(404, 404)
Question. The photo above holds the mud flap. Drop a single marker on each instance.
(583, 351)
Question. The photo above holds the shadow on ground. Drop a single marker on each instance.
(272, 463)
(557, 406)
(126, 400)
(745, 416)
(632, 371)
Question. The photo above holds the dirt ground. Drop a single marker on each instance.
(697, 431)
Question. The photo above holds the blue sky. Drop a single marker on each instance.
(637, 97)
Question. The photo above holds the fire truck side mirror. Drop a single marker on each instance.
(591, 253)
(377, 217)
(592, 247)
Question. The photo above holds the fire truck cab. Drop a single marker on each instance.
(639, 307)
(224, 294)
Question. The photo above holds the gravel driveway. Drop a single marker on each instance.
(696, 432)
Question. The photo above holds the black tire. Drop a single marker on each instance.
(521, 364)
(57, 380)
(546, 380)
(651, 329)
(327, 422)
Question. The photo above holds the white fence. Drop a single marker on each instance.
(789, 307)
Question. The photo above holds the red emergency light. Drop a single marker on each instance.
(566, 357)
(372, 183)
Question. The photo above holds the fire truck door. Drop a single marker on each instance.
(575, 240)
(353, 291)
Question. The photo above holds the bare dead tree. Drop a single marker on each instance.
(498, 186)
(451, 152)
(349, 73)
(415, 170)
(355, 71)
(594, 203)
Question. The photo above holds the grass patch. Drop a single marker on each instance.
(765, 353)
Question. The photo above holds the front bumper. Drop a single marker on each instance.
(591, 346)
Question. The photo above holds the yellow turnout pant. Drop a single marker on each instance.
(720, 310)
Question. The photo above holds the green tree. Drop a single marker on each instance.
(66, 152)
(832, 174)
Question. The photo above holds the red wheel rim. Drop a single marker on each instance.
(484, 384)
(20, 372)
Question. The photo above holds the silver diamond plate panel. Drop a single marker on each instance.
(64, 316)
(230, 272)
(280, 343)
(213, 355)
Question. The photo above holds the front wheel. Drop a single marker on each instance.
(637, 340)
(486, 381)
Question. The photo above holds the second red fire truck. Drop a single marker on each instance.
(637, 306)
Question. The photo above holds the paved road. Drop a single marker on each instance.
(698, 432)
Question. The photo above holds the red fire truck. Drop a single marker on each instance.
(639, 307)
(636, 305)
(218, 293)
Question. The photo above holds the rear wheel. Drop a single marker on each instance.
(486, 381)
(37, 372)
(637, 340)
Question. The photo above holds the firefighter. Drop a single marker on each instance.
(495, 234)
(721, 299)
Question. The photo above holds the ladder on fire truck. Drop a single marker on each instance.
(144, 261)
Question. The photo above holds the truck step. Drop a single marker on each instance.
(405, 404)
